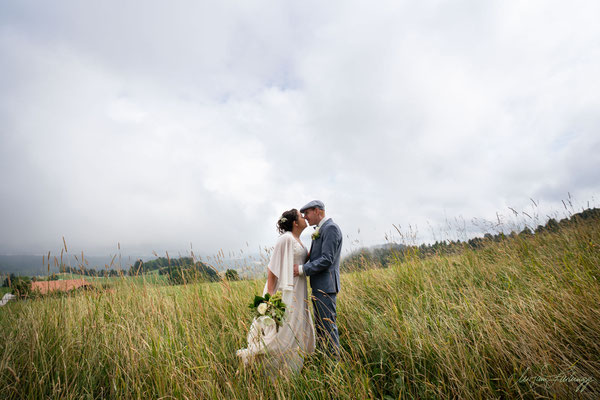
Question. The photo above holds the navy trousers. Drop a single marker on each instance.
(328, 338)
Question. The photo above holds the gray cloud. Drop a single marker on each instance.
(156, 127)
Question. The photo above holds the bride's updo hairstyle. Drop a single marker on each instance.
(286, 221)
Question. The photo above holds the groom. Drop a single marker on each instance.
(323, 268)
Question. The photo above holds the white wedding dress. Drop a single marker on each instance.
(286, 348)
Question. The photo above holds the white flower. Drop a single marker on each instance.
(262, 308)
(265, 321)
(316, 234)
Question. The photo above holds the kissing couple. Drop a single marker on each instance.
(288, 269)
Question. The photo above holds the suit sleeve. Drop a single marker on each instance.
(332, 239)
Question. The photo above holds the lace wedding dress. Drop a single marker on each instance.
(287, 347)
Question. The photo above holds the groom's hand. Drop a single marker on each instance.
(295, 269)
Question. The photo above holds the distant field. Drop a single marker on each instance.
(151, 277)
(481, 324)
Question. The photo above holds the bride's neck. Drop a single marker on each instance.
(296, 232)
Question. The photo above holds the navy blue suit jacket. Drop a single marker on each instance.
(323, 267)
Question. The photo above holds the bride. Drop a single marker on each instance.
(296, 338)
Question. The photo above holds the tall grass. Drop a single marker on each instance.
(480, 324)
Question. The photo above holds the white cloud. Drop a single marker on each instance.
(200, 123)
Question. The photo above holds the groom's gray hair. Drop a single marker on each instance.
(313, 204)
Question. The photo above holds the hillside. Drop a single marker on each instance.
(31, 265)
(489, 322)
(381, 256)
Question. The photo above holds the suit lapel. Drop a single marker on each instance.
(313, 242)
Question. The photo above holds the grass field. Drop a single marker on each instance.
(152, 278)
(490, 323)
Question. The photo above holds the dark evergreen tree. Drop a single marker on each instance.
(232, 275)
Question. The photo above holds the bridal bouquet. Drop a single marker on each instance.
(269, 310)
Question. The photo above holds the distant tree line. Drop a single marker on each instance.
(181, 274)
(366, 258)
(20, 285)
(179, 271)
(81, 270)
(52, 277)
(142, 267)
(232, 275)
(10, 279)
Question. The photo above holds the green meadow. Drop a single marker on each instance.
(151, 277)
(516, 318)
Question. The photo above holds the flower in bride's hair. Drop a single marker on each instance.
(262, 308)
(283, 219)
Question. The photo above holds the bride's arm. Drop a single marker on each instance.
(271, 283)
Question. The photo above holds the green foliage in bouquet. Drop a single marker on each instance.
(269, 309)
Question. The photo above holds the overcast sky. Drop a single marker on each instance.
(158, 124)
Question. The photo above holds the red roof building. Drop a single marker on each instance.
(45, 287)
